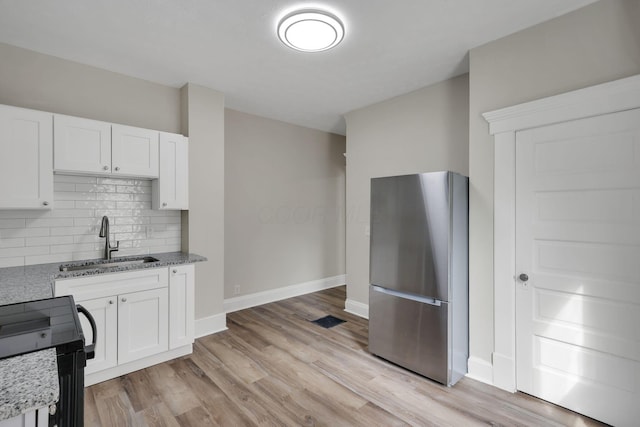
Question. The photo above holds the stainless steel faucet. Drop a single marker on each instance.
(104, 232)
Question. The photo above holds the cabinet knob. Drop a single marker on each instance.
(105, 167)
(123, 299)
(164, 204)
(175, 271)
(523, 277)
(110, 301)
(117, 168)
(45, 203)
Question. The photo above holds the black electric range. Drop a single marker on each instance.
(31, 326)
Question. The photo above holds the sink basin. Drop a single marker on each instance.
(103, 265)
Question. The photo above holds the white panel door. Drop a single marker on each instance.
(578, 240)
(81, 145)
(171, 190)
(181, 305)
(105, 314)
(26, 158)
(134, 151)
(143, 324)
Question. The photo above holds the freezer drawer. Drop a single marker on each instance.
(410, 333)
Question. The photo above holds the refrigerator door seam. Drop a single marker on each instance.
(430, 301)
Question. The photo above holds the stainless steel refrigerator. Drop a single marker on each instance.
(418, 298)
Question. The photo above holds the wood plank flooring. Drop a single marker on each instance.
(273, 367)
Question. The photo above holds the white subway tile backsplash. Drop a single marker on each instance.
(64, 186)
(12, 243)
(48, 222)
(76, 179)
(96, 204)
(44, 259)
(70, 230)
(11, 261)
(11, 223)
(73, 195)
(95, 188)
(23, 232)
(43, 241)
(71, 213)
(64, 204)
(24, 251)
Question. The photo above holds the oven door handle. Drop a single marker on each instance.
(90, 350)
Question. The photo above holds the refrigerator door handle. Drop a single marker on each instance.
(430, 301)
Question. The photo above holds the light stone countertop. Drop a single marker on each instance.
(30, 381)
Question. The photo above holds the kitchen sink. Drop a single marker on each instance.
(103, 265)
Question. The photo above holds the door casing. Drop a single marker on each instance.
(615, 96)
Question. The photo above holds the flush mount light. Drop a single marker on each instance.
(310, 30)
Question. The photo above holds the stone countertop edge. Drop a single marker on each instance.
(30, 381)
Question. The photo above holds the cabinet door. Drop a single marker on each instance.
(171, 190)
(134, 151)
(81, 145)
(143, 324)
(105, 313)
(26, 158)
(181, 305)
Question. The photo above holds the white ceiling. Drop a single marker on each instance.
(390, 47)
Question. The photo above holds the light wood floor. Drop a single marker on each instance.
(274, 367)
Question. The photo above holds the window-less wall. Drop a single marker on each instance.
(595, 44)
(284, 204)
(423, 131)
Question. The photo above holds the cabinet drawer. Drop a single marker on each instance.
(104, 285)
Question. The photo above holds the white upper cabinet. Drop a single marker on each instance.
(26, 158)
(81, 145)
(134, 151)
(84, 146)
(171, 190)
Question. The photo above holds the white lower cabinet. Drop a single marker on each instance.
(143, 324)
(143, 317)
(33, 418)
(105, 313)
(181, 310)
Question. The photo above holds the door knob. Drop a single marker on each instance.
(523, 277)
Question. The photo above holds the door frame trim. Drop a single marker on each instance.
(606, 98)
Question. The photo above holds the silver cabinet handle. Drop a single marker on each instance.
(123, 299)
(105, 167)
(117, 168)
(45, 203)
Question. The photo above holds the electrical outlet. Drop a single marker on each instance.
(236, 290)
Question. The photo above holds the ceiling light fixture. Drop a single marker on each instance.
(310, 30)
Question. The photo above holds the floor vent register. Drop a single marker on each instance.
(328, 321)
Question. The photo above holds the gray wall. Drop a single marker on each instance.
(203, 109)
(423, 131)
(284, 204)
(42, 82)
(33, 80)
(592, 45)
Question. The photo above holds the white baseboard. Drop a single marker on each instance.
(247, 301)
(504, 372)
(480, 370)
(357, 308)
(211, 325)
